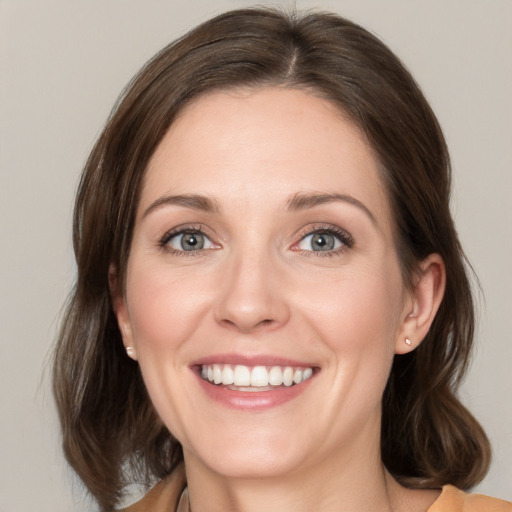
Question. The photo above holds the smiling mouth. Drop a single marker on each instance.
(254, 378)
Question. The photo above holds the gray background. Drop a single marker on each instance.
(62, 65)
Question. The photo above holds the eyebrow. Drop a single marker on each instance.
(193, 201)
(302, 201)
(299, 201)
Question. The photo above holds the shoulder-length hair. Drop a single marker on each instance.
(108, 423)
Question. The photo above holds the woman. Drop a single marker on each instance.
(272, 309)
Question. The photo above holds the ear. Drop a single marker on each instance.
(422, 303)
(121, 311)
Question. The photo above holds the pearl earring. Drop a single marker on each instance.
(130, 351)
(408, 342)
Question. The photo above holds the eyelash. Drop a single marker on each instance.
(340, 234)
(182, 230)
(347, 241)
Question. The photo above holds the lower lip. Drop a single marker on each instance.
(253, 400)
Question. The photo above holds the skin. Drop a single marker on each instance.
(258, 287)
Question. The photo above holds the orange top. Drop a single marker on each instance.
(455, 500)
(170, 494)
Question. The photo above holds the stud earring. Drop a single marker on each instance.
(130, 351)
(408, 342)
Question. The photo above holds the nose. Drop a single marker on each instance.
(252, 296)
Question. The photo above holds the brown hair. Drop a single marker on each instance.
(110, 430)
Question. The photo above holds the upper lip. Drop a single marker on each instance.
(251, 360)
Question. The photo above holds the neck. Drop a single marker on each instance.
(356, 482)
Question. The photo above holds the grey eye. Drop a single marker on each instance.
(191, 241)
(320, 242)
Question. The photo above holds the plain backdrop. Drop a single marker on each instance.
(62, 65)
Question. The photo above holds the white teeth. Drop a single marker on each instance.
(217, 374)
(242, 376)
(288, 376)
(227, 375)
(275, 376)
(307, 373)
(261, 378)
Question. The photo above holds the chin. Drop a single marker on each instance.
(253, 457)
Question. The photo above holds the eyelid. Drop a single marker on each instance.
(182, 229)
(341, 234)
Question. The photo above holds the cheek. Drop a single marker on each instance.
(356, 309)
(165, 311)
(164, 308)
(357, 318)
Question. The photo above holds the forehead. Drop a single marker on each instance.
(268, 143)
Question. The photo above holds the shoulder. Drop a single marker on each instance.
(164, 496)
(455, 500)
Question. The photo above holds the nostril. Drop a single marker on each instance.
(267, 322)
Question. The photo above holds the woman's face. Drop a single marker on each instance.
(263, 252)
